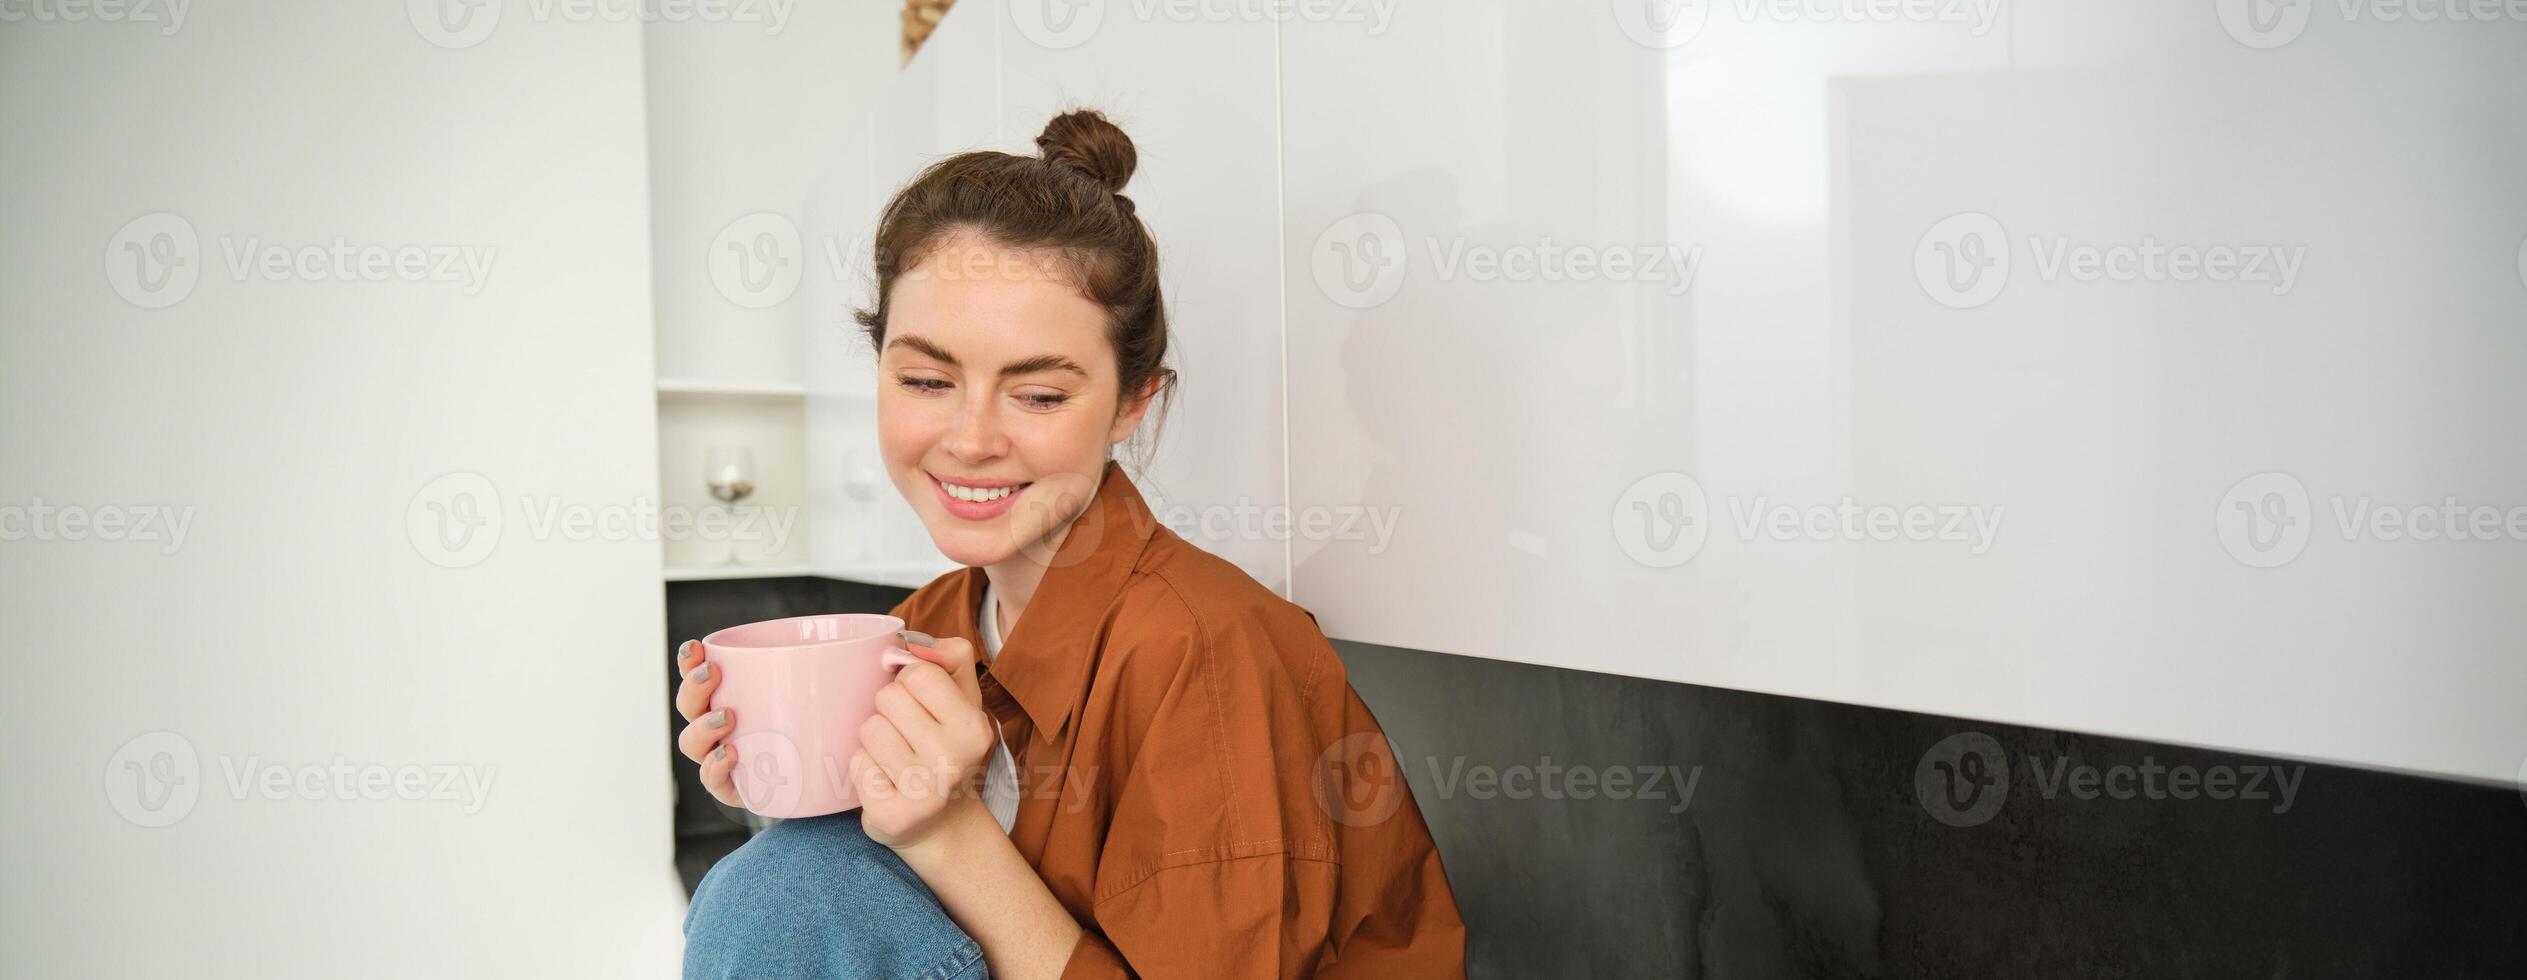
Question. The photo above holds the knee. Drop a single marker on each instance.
(815, 897)
(808, 862)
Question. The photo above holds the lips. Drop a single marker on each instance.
(978, 509)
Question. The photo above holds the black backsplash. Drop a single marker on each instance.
(1812, 845)
(1828, 840)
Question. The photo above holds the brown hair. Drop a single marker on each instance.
(1066, 202)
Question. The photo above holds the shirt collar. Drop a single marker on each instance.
(1045, 662)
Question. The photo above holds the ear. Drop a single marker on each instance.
(1127, 420)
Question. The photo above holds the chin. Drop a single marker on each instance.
(971, 546)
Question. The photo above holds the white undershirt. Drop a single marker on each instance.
(1000, 780)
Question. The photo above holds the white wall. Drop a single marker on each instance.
(1581, 468)
(742, 118)
(306, 428)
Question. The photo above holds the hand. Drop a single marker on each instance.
(921, 756)
(700, 741)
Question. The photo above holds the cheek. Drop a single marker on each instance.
(904, 429)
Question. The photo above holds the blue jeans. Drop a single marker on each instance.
(815, 899)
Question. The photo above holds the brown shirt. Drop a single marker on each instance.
(1198, 783)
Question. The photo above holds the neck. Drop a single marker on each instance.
(1014, 579)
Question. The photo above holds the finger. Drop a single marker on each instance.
(718, 775)
(887, 746)
(693, 694)
(703, 735)
(930, 740)
(956, 656)
(936, 693)
(897, 704)
(870, 778)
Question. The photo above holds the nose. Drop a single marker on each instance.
(975, 436)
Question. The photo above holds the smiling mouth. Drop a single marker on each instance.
(978, 495)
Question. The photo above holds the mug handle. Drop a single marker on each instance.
(897, 659)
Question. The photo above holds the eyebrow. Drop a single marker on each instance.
(1040, 362)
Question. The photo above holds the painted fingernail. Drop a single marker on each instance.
(701, 673)
(718, 719)
(720, 753)
(685, 652)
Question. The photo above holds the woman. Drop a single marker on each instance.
(1153, 766)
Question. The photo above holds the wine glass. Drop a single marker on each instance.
(729, 471)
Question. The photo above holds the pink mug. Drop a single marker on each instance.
(798, 689)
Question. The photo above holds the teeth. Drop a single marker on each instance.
(978, 495)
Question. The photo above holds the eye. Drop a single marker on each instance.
(1044, 401)
(923, 385)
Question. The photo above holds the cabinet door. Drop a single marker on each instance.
(2136, 371)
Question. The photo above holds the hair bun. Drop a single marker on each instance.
(1084, 140)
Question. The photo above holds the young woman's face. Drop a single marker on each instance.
(997, 397)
